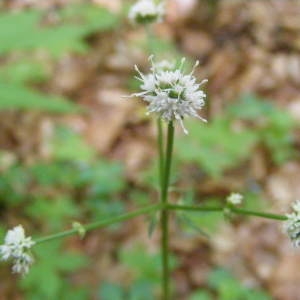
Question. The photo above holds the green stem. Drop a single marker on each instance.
(102, 223)
(160, 150)
(259, 214)
(149, 36)
(194, 208)
(239, 211)
(165, 213)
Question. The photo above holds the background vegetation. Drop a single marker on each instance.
(71, 149)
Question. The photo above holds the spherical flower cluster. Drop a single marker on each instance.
(17, 247)
(235, 199)
(292, 225)
(171, 93)
(146, 11)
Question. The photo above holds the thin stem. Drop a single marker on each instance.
(160, 150)
(102, 223)
(239, 211)
(168, 162)
(165, 213)
(259, 214)
(194, 208)
(149, 36)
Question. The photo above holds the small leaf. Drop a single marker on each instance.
(190, 223)
(152, 224)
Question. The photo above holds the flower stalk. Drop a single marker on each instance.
(165, 213)
(238, 211)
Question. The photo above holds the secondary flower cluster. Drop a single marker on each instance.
(292, 225)
(171, 93)
(146, 11)
(235, 199)
(17, 247)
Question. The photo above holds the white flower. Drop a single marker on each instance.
(296, 206)
(170, 93)
(17, 247)
(146, 11)
(234, 198)
(292, 225)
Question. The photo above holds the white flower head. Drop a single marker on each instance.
(235, 199)
(171, 93)
(17, 247)
(292, 224)
(146, 11)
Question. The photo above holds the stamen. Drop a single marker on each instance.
(203, 81)
(140, 73)
(194, 67)
(182, 63)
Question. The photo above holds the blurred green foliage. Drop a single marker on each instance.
(75, 184)
(145, 274)
(229, 140)
(24, 31)
(45, 280)
(224, 286)
(22, 98)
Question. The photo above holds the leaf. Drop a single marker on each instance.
(44, 278)
(211, 221)
(152, 224)
(23, 71)
(109, 291)
(18, 97)
(273, 125)
(250, 107)
(200, 295)
(68, 145)
(144, 265)
(229, 288)
(57, 211)
(216, 147)
(141, 290)
(185, 219)
(57, 40)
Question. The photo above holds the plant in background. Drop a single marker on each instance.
(172, 95)
(17, 248)
(146, 12)
(292, 225)
(234, 199)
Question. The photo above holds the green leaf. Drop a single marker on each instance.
(200, 295)
(22, 98)
(211, 221)
(68, 145)
(215, 147)
(229, 288)
(109, 291)
(57, 212)
(185, 219)
(273, 125)
(250, 107)
(144, 265)
(24, 30)
(152, 224)
(23, 71)
(141, 290)
(44, 278)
